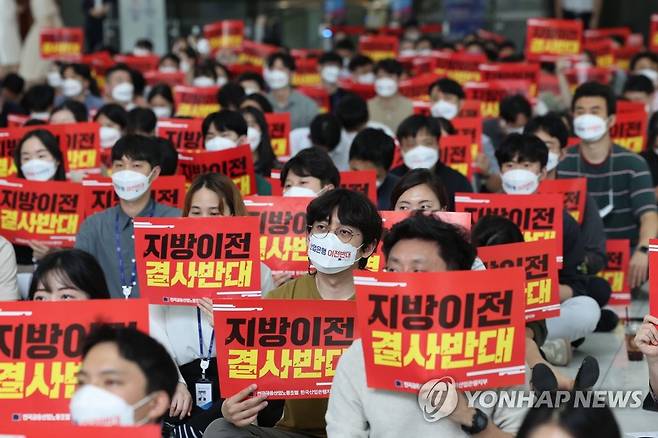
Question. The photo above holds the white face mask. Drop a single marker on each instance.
(276, 79)
(203, 46)
(520, 182)
(141, 51)
(445, 109)
(249, 90)
(649, 73)
(253, 138)
(162, 112)
(54, 79)
(130, 185)
(553, 161)
(330, 74)
(71, 87)
(420, 157)
(408, 53)
(589, 127)
(203, 82)
(367, 78)
(221, 81)
(220, 144)
(95, 406)
(40, 116)
(299, 192)
(330, 255)
(386, 87)
(184, 66)
(39, 170)
(517, 130)
(109, 136)
(123, 92)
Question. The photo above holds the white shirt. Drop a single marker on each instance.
(8, 284)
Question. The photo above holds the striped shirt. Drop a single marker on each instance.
(627, 175)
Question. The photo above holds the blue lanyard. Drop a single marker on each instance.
(127, 288)
(204, 361)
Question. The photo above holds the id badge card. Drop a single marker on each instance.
(203, 393)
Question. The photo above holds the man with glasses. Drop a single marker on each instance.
(343, 231)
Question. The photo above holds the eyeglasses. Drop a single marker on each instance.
(322, 229)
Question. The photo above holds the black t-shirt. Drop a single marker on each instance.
(652, 160)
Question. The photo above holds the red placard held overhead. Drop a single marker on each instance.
(185, 134)
(63, 43)
(653, 35)
(255, 54)
(236, 163)
(624, 54)
(362, 181)
(466, 325)
(618, 253)
(461, 67)
(594, 35)
(306, 73)
(184, 259)
(225, 34)
(630, 131)
(455, 152)
(172, 79)
(550, 39)
(489, 94)
(574, 191)
(379, 47)
(42, 350)
(603, 52)
(142, 64)
(417, 88)
(289, 351)
(195, 102)
(279, 129)
(472, 127)
(80, 142)
(517, 71)
(50, 212)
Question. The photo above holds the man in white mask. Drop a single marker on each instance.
(147, 374)
(419, 143)
(361, 70)
(119, 87)
(389, 106)
(329, 66)
(109, 235)
(619, 180)
(309, 174)
(278, 73)
(446, 96)
(343, 231)
(515, 111)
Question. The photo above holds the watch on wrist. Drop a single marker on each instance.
(480, 422)
(643, 249)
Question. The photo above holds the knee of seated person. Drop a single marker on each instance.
(589, 311)
(599, 289)
(218, 428)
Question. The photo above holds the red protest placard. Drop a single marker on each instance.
(141, 63)
(417, 88)
(378, 47)
(538, 260)
(255, 54)
(579, 75)
(653, 276)
(461, 67)
(538, 216)
(172, 79)
(99, 195)
(653, 36)
(362, 181)
(9, 139)
(603, 52)
(33, 428)
(225, 34)
(50, 212)
(455, 152)
(64, 43)
(592, 35)
(279, 128)
(618, 252)
(282, 232)
(289, 351)
(236, 163)
(365, 91)
(195, 102)
(519, 71)
(624, 54)
(79, 142)
(306, 73)
(184, 259)
(467, 325)
(549, 39)
(319, 96)
(16, 120)
(489, 94)
(185, 134)
(472, 127)
(469, 108)
(629, 106)
(574, 191)
(630, 131)
(41, 349)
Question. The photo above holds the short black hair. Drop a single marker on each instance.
(412, 125)
(230, 96)
(313, 162)
(446, 125)
(84, 71)
(552, 124)
(14, 83)
(75, 268)
(141, 121)
(266, 158)
(596, 89)
(119, 67)
(144, 43)
(639, 83)
(261, 100)
(225, 120)
(135, 346)
(454, 248)
(115, 112)
(512, 106)
(330, 57)
(653, 57)
(169, 156)
(390, 66)
(139, 148)
(417, 177)
(252, 76)
(352, 111)
(169, 56)
(139, 82)
(522, 147)
(287, 60)
(354, 210)
(325, 131)
(375, 146)
(448, 86)
(163, 90)
(495, 230)
(345, 44)
(39, 98)
(51, 143)
(359, 61)
(78, 109)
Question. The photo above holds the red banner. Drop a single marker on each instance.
(255, 54)
(417, 88)
(574, 191)
(549, 39)
(630, 131)
(538, 259)
(319, 96)
(30, 429)
(629, 106)
(79, 142)
(64, 43)
(180, 262)
(579, 75)
(195, 102)
(461, 67)
(50, 211)
(472, 127)
(236, 163)
(363, 181)
(142, 64)
(41, 349)
(378, 47)
(282, 232)
(289, 351)
(172, 79)
(185, 134)
(592, 35)
(456, 153)
(226, 34)
(603, 52)
(623, 56)
(99, 195)
(489, 94)
(306, 73)
(467, 325)
(653, 39)
(516, 71)
(653, 275)
(538, 216)
(616, 270)
(279, 129)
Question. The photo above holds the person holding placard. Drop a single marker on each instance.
(646, 340)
